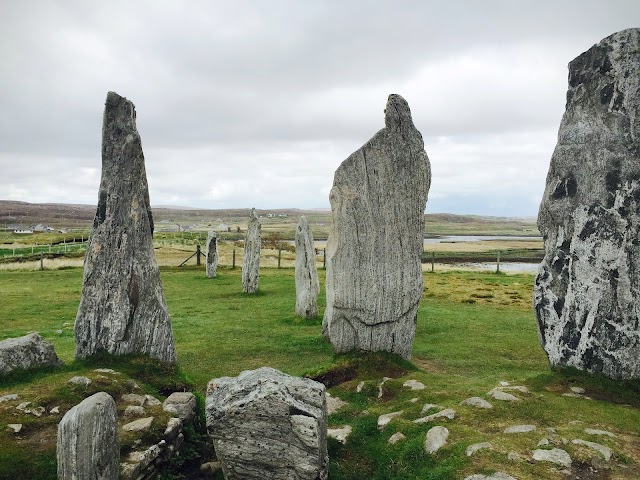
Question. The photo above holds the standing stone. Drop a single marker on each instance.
(307, 285)
(212, 254)
(251, 260)
(122, 309)
(25, 353)
(266, 424)
(587, 291)
(88, 445)
(374, 277)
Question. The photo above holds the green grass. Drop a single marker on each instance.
(461, 349)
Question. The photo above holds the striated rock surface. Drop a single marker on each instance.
(122, 309)
(374, 277)
(212, 254)
(27, 352)
(266, 424)
(307, 285)
(251, 260)
(88, 445)
(586, 293)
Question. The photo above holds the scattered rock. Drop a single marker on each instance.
(383, 420)
(555, 455)
(174, 427)
(307, 285)
(210, 468)
(122, 309)
(520, 429)
(23, 406)
(504, 384)
(211, 254)
(340, 434)
(78, 380)
(476, 447)
(134, 411)
(374, 276)
(58, 332)
(140, 425)
(55, 410)
(606, 452)
(514, 457)
(518, 388)
(493, 476)
(133, 398)
(360, 387)
(449, 413)
(151, 401)
(88, 445)
(106, 370)
(543, 442)
(15, 427)
(578, 390)
(182, 405)
(11, 396)
(595, 431)
(414, 385)
(381, 384)
(26, 353)
(476, 402)
(37, 412)
(575, 395)
(395, 438)
(413, 400)
(334, 404)
(251, 259)
(504, 396)
(436, 439)
(429, 406)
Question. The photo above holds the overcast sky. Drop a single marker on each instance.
(256, 103)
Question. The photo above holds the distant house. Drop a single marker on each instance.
(23, 232)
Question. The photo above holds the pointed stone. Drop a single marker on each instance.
(251, 260)
(122, 308)
(307, 285)
(374, 276)
(88, 445)
(212, 254)
(585, 293)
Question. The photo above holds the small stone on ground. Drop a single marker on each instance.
(383, 420)
(555, 455)
(520, 429)
(493, 476)
(436, 439)
(414, 385)
(395, 438)
(15, 427)
(476, 447)
(334, 403)
(476, 402)
(340, 434)
(84, 381)
(449, 413)
(141, 425)
(606, 452)
(595, 431)
(504, 396)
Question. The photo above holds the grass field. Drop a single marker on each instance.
(474, 330)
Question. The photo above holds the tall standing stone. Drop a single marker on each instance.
(87, 445)
(122, 309)
(251, 260)
(307, 286)
(587, 291)
(374, 276)
(212, 254)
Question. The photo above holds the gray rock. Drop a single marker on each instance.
(383, 420)
(266, 424)
(307, 285)
(122, 309)
(436, 439)
(395, 438)
(174, 427)
(503, 396)
(340, 434)
(79, 380)
(449, 413)
(428, 407)
(476, 402)
(334, 404)
(151, 401)
(141, 425)
(134, 411)
(106, 370)
(555, 455)
(55, 410)
(210, 468)
(476, 447)
(133, 398)
(11, 396)
(543, 442)
(606, 452)
(595, 431)
(15, 427)
(23, 406)
(578, 390)
(374, 276)
(212, 254)
(182, 405)
(360, 387)
(88, 445)
(493, 476)
(251, 260)
(585, 293)
(414, 385)
(25, 353)
(520, 429)
(514, 457)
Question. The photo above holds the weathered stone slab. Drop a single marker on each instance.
(555, 455)
(265, 424)
(25, 353)
(586, 292)
(182, 405)
(307, 285)
(122, 309)
(251, 260)
(212, 255)
(88, 445)
(374, 277)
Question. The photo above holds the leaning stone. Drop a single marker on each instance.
(493, 476)
(586, 291)
(340, 434)
(212, 254)
(134, 411)
(174, 427)
(307, 285)
(555, 455)
(520, 429)
(141, 425)
(78, 380)
(251, 259)
(449, 413)
(383, 420)
(374, 277)
(436, 439)
(25, 353)
(11, 396)
(15, 427)
(595, 431)
(476, 402)
(334, 404)
(476, 447)
(606, 452)
(414, 385)
(504, 396)
(266, 424)
(88, 445)
(395, 438)
(182, 405)
(122, 309)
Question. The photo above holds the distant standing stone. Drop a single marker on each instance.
(251, 260)
(586, 291)
(374, 276)
(212, 254)
(122, 308)
(27, 352)
(307, 285)
(88, 445)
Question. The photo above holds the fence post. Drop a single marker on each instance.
(198, 255)
(498, 264)
(433, 261)
(279, 256)
(233, 265)
(324, 259)
(41, 261)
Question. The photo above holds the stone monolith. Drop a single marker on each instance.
(374, 277)
(212, 254)
(266, 424)
(88, 445)
(307, 286)
(251, 260)
(122, 308)
(587, 291)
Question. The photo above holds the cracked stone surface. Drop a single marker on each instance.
(122, 309)
(251, 259)
(374, 277)
(307, 285)
(586, 295)
(212, 254)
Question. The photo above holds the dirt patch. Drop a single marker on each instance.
(584, 471)
(427, 365)
(336, 375)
